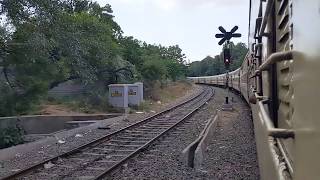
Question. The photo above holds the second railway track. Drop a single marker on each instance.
(98, 158)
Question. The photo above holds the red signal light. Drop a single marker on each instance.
(226, 57)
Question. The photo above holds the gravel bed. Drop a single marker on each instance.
(50, 147)
(164, 159)
(232, 151)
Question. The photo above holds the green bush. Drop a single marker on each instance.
(13, 103)
(153, 70)
(10, 136)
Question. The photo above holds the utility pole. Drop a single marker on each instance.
(226, 36)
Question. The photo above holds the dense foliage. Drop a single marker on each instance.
(10, 136)
(46, 42)
(214, 65)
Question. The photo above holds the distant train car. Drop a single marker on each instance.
(280, 79)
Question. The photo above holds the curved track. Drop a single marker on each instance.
(98, 158)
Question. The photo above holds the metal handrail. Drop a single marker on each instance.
(271, 130)
(275, 57)
(285, 155)
(265, 17)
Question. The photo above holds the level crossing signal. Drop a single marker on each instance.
(226, 36)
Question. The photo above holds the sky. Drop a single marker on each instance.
(191, 24)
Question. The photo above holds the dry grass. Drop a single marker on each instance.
(156, 98)
(58, 109)
(170, 92)
(159, 97)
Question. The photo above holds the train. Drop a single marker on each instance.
(280, 80)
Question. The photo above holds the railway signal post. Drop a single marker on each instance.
(225, 38)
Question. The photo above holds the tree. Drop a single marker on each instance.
(174, 69)
(171, 59)
(49, 42)
(239, 52)
(212, 66)
(53, 42)
(152, 70)
(173, 52)
(132, 51)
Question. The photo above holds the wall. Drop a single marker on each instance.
(47, 124)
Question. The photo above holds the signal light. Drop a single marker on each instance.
(226, 57)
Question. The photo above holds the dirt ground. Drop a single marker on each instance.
(160, 97)
(59, 109)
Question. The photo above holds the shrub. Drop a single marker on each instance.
(11, 136)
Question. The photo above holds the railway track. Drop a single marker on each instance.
(98, 158)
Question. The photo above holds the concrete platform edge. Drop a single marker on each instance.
(9, 153)
(199, 154)
(192, 155)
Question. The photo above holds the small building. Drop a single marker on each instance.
(140, 91)
(123, 95)
(118, 95)
(135, 94)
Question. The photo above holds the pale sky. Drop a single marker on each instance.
(191, 24)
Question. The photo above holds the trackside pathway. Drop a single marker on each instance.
(232, 149)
